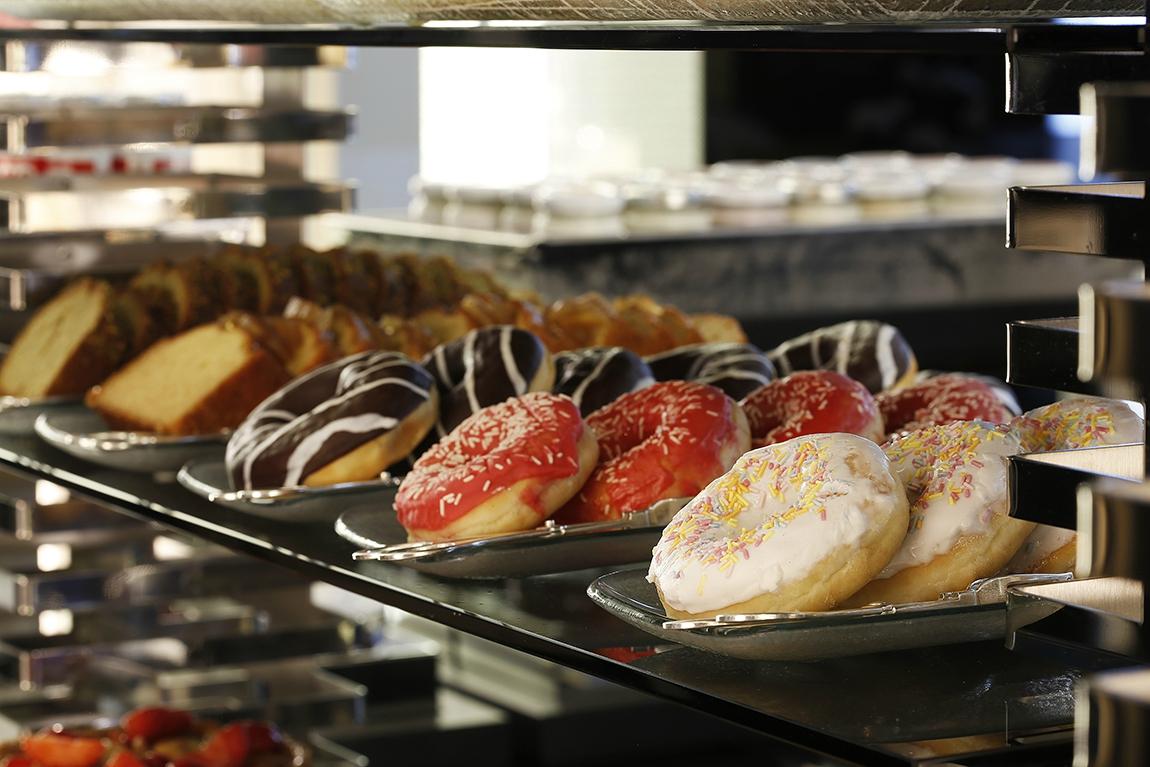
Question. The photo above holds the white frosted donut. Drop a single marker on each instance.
(1076, 423)
(799, 525)
(957, 480)
(1068, 425)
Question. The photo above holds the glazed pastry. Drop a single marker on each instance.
(873, 353)
(812, 402)
(345, 422)
(1047, 550)
(737, 369)
(1002, 390)
(956, 479)
(596, 377)
(1076, 423)
(800, 525)
(505, 468)
(941, 400)
(665, 441)
(484, 368)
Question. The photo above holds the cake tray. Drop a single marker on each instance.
(552, 548)
(974, 615)
(208, 478)
(18, 414)
(82, 433)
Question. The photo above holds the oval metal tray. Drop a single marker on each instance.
(82, 433)
(977, 614)
(208, 478)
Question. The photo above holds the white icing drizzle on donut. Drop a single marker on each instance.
(469, 375)
(312, 443)
(769, 521)
(884, 354)
(956, 477)
(509, 362)
(843, 348)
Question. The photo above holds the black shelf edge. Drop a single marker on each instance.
(1049, 82)
(1090, 623)
(1043, 354)
(1088, 219)
(1044, 486)
(1112, 139)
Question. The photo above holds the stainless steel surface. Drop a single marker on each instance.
(1044, 486)
(969, 616)
(1113, 526)
(83, 433)
(209, 479)
(18, 414)
(49, 56)
(1112, 727)
(161, 200)
(86, 126)
(381, 11)
(1117, 596)
(1112, 318)
(549, 549)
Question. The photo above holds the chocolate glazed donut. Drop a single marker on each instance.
(873, 353)
(485, 367)
(600, 375)
(736, 369)
(344, 422)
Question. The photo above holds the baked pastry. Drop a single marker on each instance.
(800, 525)
(667, 440)
(345, 422)
(1002, 390)
(1076, 423)
(812, 402)
(957, 481)
(736, 369)
(505, 468)
(71, 343)
(484, 368)
(178, 296)
(598, 376)
(940, 400)
(873, 353)
(201, 381)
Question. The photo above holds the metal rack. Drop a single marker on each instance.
(1048, 63)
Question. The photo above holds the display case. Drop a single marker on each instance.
(978, 702)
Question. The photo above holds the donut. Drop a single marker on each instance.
(1001, 389)
(665, 441)
(344, 422)
(799, 525)
(1080, 422)
(873, 353)
(956, 479)
(600, 375)
(812, 402)
(940, 400)
(1076, 423)
(1048, 549)
(486, 367)
(506, 468)
(737, 369)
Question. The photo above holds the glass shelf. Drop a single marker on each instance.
(885, 38)
(885, 709)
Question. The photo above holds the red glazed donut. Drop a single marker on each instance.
(939, 401)
(812, 402)
(668, 440)
(507, 467)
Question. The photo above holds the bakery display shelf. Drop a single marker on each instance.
(58, 56)
(1044, 486)
(34, 207)
(1097, 618)
(113, 125)
(1044, 354)
(1108, 219)
(940, 694)
(850, 36)
(1119, 115)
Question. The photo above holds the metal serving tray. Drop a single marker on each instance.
(82, 433)
(379, 11)
(552, 548)
(208, 479)
(977, 614)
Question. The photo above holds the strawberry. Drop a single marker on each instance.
(52, 749)
(227, 747)
(264, 737)
(154, 723)
(18, 760)
(124, 758)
